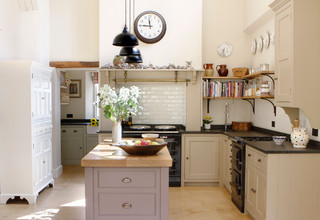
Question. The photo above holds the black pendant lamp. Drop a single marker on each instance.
(125, 39)
(129, 51)
(133, 59)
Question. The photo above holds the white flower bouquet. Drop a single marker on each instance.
(118, 105)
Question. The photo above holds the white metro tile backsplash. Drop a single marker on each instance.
(163, 103)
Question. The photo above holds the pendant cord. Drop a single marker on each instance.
(129, 15)
(125, 11)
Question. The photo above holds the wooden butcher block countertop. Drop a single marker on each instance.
(105, 155)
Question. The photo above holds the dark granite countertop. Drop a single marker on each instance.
(75, 121)
(269, 147)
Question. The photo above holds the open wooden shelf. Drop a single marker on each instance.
(250, 76)
(245, 97)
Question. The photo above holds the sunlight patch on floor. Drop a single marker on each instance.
(79, 203)
(47, 214)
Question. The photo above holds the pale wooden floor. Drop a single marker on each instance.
(65, 201)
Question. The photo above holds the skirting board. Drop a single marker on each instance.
(57, 172)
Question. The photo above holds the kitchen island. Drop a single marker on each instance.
(127, 187)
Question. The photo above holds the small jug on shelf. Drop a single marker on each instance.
(222, 71)
(208, 68)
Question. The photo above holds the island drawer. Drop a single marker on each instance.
(127, 178)
(256, 158)
(118, 204)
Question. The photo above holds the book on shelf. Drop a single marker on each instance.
(222, 89)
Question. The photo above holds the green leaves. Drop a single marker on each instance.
(107, 112)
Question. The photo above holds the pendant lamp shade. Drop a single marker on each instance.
(125, 39)
(129, 51)
(133, 59)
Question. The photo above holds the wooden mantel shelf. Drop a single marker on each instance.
(74, 64)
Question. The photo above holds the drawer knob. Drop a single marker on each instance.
(126, 206)
(249, 155)
(253, 190)
(75, 131)
(126, 180)
(64, 131)
(259, 160)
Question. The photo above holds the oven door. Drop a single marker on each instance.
(237, 157)
(236, 183)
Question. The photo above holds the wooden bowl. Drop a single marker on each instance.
(141, 149)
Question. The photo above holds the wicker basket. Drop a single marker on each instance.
(239, 72)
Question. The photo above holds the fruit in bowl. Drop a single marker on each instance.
(279, 139)
(141, 147)
(151, 137)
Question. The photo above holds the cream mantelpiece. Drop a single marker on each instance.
(119, 186)
(297, 56)
(192, 78)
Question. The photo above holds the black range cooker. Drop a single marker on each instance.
(238, 162)
(171, 134)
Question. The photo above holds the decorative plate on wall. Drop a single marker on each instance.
(266, 40)
(224, 49)
(259, 43)
(253, 46)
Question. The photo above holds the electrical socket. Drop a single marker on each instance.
(315, 132)
(273, 124)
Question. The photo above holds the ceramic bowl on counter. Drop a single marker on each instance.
(151, 137)
(279, 139)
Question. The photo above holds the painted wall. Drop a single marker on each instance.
(74, 27)
(183, 39)
(215, 32)
(253, 10)
(24, 34)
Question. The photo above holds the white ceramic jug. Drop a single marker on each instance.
(300, 137)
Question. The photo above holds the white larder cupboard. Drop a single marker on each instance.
(25, 130)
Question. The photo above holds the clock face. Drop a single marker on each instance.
(224, 49)
(150, 27)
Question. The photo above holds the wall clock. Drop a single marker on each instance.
(150, 27)
(224, 49)
(253, 46)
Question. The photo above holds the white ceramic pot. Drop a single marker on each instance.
(207, 126)
(116, 132)
(300, 137)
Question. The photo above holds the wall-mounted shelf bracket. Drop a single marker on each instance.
(252, 103)
(268, 75)
(274, 107)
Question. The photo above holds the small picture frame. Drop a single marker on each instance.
(75, 88)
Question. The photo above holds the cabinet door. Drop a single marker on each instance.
(202, 158)
(284, 55)
(251, 190)
(91, 142)
(261, 193)
(227, 162)
(72, 144)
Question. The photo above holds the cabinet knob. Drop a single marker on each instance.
(44, 161)
(64, 131)
(80, 148)
(75, 131)
(249, 155)
(253, 190)
(230, 156)
(187, 158)
(126, 206)
(259, 160)
(126, 180)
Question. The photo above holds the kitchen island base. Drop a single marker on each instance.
(127, 193)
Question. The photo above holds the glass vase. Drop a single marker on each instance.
(116, 132)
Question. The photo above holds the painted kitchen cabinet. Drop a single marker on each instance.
(200, 161)
(76, 143)
(226, 146)
(282, 186)
(297, 56)
(26, 131)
